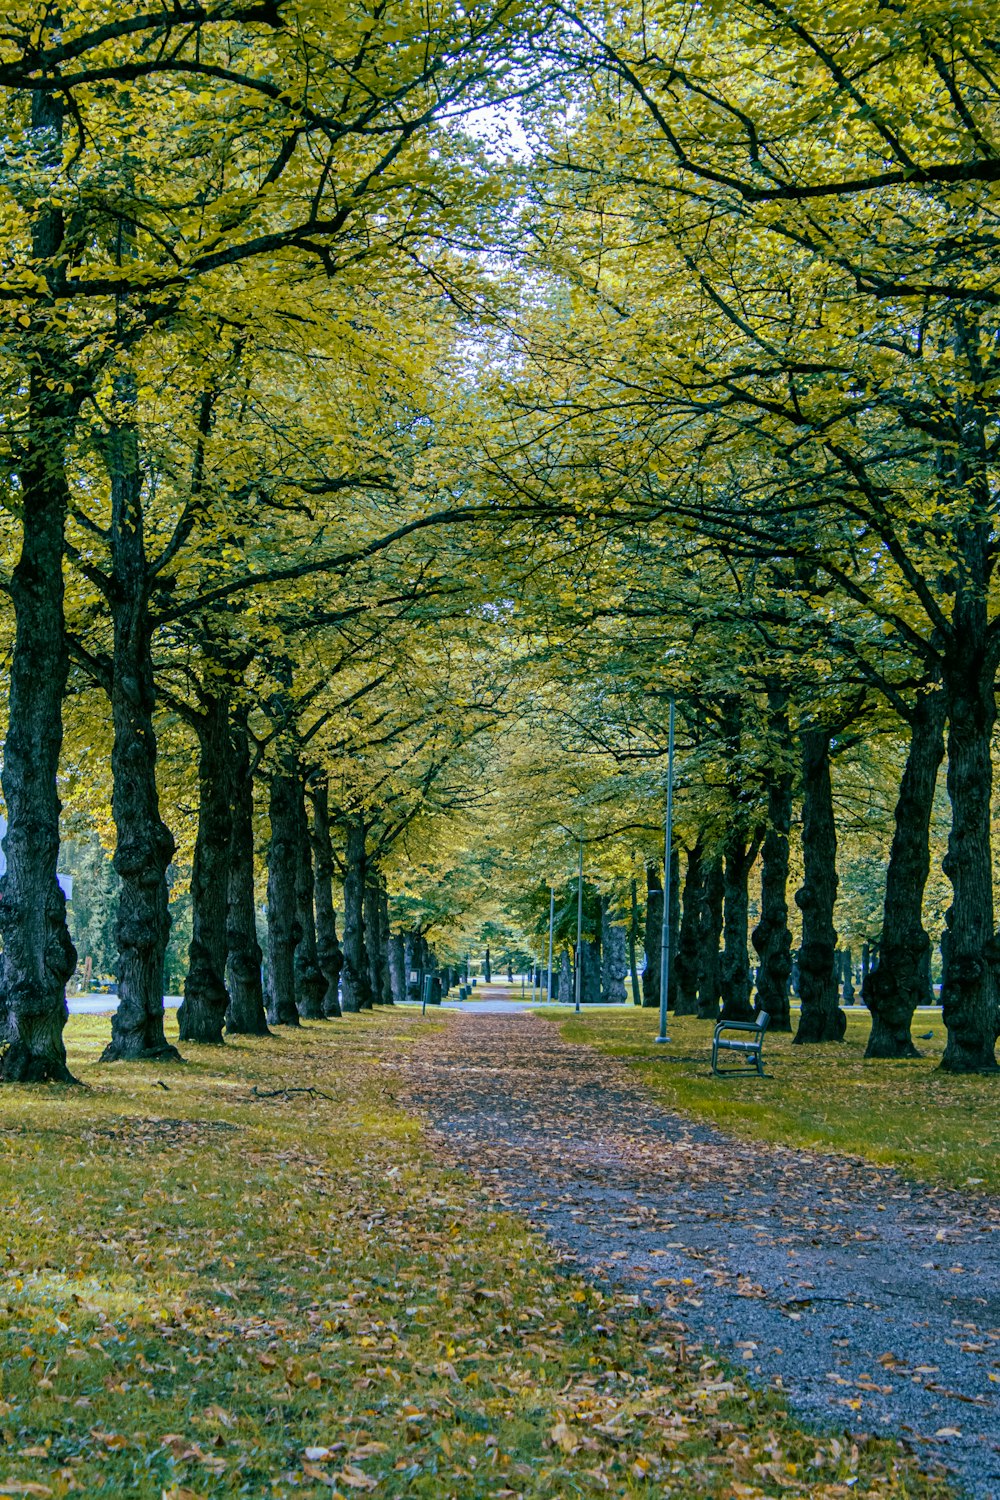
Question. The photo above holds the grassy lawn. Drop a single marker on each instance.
(905, 1114)
(206, 1292)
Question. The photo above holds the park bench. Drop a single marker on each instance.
(750, 1050)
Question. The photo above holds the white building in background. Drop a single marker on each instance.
(66, 881)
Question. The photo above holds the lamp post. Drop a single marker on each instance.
(579, 929)
(668, 833)
(552, 923)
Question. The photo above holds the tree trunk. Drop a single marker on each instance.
(653, 939)
(821, 1019)
(145, 846)
(202, 1014)
(772, 938)
(283, 931)
(899, 984)
(614, 964)
(328, 952)
(310, 981)
(38, 956)
(357, 990)
(736, 977)
(687, 942)
(969, 988)
(674, 920)
(633, 939)
(590, 987)
(411, 965)
(378, 961)
(397, 968)
(487, 971)
(385, 939)
(847, 976)
(245, 1016)
(709, 941)
(567, 985)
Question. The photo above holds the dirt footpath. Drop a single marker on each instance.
(874, 1303)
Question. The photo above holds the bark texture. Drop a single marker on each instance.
(202, 1015)
(328, 950)
(633, 942)
(310, 981)
(283, 932)
(821, 1018)
(38, 956)
(899, 984)
(145, 845)
(969, 991)
(737, 981)
(772, 938)
(654, 937)
(614, 961)
(378, 957)
(356, 984)
(385, 940)
(687, 941)
(245, 1016)
(710, 940)
(397, 968)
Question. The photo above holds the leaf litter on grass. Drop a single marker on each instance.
(296, 1296)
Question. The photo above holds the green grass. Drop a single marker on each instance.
(207, 1293)
(930, 1125)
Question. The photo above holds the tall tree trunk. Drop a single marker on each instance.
(310, 982)
(385, 939)
(397, 968)
(687, 942)
(899, 984)
(331, 959)
(674, 921)
(970, 986)
(283, 932)
(357, 988)
(654, 937)
(614, 964)
(772, 938)
(411, 965)
(487, 971)
(377, 960)
(633, 940)
(710, 940)
(567, 981)
(821, 1019)
(38, 956)
(245, 1016)
(740, 854)
(202, 1015)
(590, 986)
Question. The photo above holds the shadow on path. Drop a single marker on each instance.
(873, 1302)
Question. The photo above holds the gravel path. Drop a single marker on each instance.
(872, 1301)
